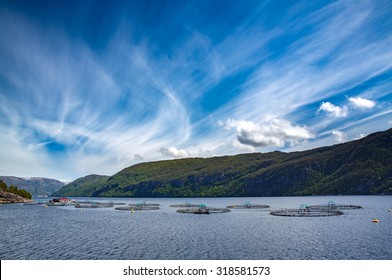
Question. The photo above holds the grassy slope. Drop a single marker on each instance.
(84, 186)
(357, 167)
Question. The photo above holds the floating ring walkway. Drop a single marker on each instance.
(137, 208)
(202, 209)
(333, 206)
(248, 205)
(305, 211)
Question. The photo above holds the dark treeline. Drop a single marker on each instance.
(13, 189)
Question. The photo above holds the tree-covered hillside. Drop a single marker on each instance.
(13, 194)
(359, 167)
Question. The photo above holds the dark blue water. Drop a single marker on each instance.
(36, 232)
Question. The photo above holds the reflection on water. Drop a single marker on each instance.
(36, 232)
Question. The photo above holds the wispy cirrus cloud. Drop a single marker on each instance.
(96, 107)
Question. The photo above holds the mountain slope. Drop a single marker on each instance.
(358, 167)
(82, 187)
(35, 185)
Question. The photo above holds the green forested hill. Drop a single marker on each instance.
(81, 187)
(359, 167)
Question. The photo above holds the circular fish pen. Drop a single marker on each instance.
(333, 206)
(94, 205)
(185, 205)
(305, 211)
(137, 208)
(83, 202)
(143, 204)
(60, 204)
(248, 205)
(202, 209)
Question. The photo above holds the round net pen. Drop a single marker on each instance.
(202, 209)
(143, 204)
(60, 204)
(185, 205)
(333, 206)
(94, 205)
(248, 205)
(305, 211)
(94, 202)
(137, 208)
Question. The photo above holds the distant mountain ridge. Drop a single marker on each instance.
(362, 166)
(34, 185)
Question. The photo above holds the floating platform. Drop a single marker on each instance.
(60, 204)
(185, 205)
(248, 205)
(94, 205)
(86, 202)
(333, 206)
(202, 209)
(305, 211)
(137, 208)
(143, 203)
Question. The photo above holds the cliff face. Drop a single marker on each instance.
(358, 167)
(7, 197)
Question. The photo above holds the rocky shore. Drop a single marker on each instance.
(7, 197)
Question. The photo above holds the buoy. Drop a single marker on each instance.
(132, 211)
(389, 210)
(46, 206)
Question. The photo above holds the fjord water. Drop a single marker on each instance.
(36, 232)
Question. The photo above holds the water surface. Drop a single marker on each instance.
(36, 232)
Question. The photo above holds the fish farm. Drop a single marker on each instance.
(248, 205)
(143, 203)
(305, 211)
(333, 206)
(137, 208)
(202, 209)
(185, 205)
(60, 204)
(94, 205)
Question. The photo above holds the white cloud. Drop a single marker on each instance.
(273, 132)
(340, 136)
(174, 152)
(336, 111)
(362, 103)
(360, 136)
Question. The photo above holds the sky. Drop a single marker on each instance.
(92, 87)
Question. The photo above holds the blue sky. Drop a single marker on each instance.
(96, 86)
